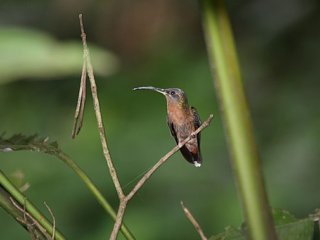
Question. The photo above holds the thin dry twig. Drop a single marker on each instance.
(193, 221)
(123, 199)
(120, 214)
(78, 116)
(102, 133)
(53, 220)
(26, 222)
(166, 157)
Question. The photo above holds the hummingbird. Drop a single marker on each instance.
(182, 120)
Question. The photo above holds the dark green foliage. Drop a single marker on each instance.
(31, 143)
(288, 227)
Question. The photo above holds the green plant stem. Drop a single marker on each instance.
(6, 202)
(97, 194)
(33, 143)
(9, 190)
(246, 164)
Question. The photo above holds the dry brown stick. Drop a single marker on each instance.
(120, 214)
(97, 110)
(34, 221)
(166, 157)
(53, 220)
(124, 201)
(78, 116)
(24, 221)
(193, 221)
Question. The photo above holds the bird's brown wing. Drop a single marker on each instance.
(197, 122)
(172, 130)
(185, 152)
(190, 157)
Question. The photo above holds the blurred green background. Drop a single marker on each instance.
(158, 43)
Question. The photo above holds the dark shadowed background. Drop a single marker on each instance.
(158, 43)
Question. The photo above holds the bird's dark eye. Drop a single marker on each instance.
(172, 93)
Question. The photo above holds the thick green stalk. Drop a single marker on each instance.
(9, 190)
(20, 215)
(246, 164)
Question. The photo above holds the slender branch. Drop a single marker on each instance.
(53, 220)
(166, 157)
(193, 221)
(112, 170)
(78, 116)
(97, 110)
(119, 219)
(26, 216)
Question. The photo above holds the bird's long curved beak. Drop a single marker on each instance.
(159, 90)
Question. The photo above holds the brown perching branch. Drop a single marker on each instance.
(166, 157)
(193, 221)
(123, 199)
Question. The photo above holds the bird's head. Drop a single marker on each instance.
(173, 95)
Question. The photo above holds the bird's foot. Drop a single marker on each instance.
(193, 135)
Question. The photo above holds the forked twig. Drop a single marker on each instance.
(123, 199)
(193, 221)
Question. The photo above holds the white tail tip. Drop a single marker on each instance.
(196, 164)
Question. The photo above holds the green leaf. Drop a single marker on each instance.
(299, 230)
(27, 53)
(288, 227)
(231, 233)
(32, 143)
(281, 216)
